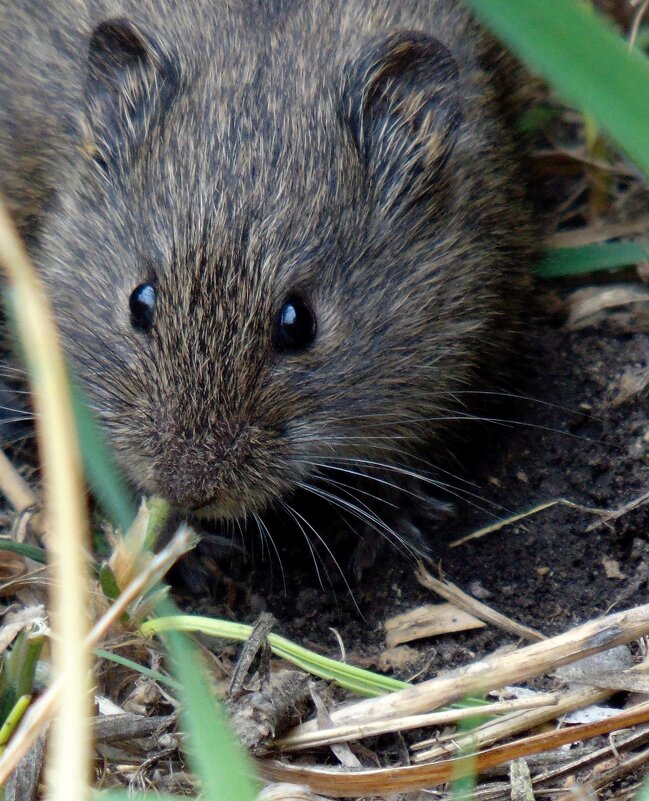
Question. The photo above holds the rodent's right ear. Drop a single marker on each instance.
(130, 81)
(401, 103)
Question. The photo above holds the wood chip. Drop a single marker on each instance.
(118, 728)
(429, 620)
(612, 568)
(397, 658)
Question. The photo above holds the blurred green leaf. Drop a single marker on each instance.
(643, 794)
(18, 669)
(127, 795)
(30, 551)
(107, 582)
(560, 262)
(101, 470)
(217, 759)
(585, 60)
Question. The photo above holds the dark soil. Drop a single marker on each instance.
(549, 571)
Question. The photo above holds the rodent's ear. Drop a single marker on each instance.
(401, 102)
(130, 81)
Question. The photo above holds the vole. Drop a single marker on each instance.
(281, 237)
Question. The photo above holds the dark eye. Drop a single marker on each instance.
(296, 325)
(142, 306)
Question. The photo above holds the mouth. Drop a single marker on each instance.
(215, 510)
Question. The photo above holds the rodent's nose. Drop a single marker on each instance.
(190, 488)
(187, 471)
(192, 471)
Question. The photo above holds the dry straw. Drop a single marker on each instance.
(69, 757)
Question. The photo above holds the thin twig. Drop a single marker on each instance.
(474, 607)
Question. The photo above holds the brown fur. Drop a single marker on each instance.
(327, 147)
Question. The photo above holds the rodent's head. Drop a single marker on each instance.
(257, 270)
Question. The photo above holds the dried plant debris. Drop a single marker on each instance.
(632, 383)
(23, 784)
(261, 715)
(621, 309)
(429, 620)
(473, 606)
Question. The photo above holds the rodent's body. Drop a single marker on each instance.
(353, 154)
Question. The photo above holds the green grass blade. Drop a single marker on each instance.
(585, 60)
(363, 682)
(643, 795)
(216, 758)
(101, 653)
(101, 470)
(559, 262)
(30, 551)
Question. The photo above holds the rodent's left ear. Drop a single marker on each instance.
(401, 101)
(130, 80)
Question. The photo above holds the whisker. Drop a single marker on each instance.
(389, 534)
(457, 492)
(323, 542)
(267, 536)
(499, 421)
(296, 520)
(515, 396)
(341, 485)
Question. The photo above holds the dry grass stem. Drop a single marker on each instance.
(382, 781)
(14, 487)
(623, 768)
(507, 521)
(41, 710)
(499, 670)
(616, 746)
(472, 606)
(288, 792)
(594, 234)
(358, 731)
(641, 10)
(614, 514)
(506, 726)
(70, 750)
